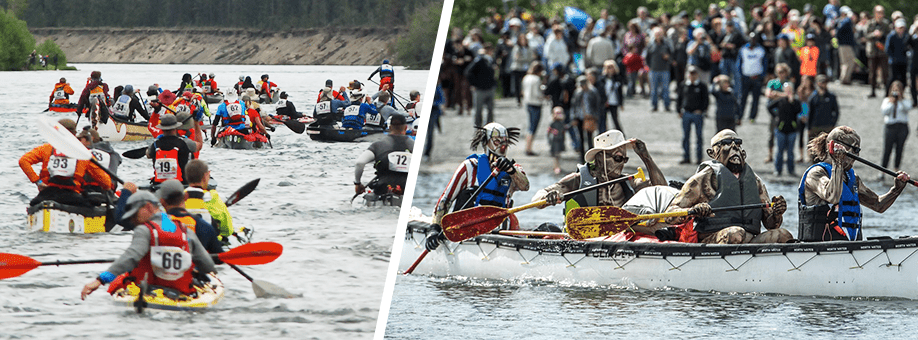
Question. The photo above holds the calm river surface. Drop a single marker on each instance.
(335, 254)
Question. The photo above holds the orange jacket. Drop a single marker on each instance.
(42, 154)
(67, 89)
(809, 55)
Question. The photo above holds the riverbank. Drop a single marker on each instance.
(321, 46)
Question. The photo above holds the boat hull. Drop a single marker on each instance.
(872, 268)
(335, 133)
(117, 130)
(236, 142)
(213, 98)
(53, 217)
(207, 296)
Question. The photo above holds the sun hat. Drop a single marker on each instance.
(609, 140)
(68, 124)
(184, 118)
(168, 122)
(167, 97)
(137, 201)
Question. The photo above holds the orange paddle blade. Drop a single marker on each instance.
(253, 253)
(590, 222)
(13, 265)
(465, 224)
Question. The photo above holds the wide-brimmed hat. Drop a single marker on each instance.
(137, 201)
(185, 120)
(231, 96)
(167, 97)
(609, 140)
(168, 122)
(68, 124)
(251, 93)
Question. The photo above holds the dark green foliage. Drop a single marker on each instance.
(415, 47)
(15, 42)
(50, 49)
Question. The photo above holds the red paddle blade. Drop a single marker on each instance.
(253, 253)
(589, 222)
(13, 265)
(465, 224)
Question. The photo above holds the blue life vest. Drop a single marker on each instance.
(848, 209)
(495, 192)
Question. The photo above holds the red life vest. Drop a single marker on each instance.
(166, 166)
(166, 249)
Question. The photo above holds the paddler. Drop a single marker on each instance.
(210, 85)
(160, 107)
(231, 114)
(385, 111)
(156, 233)
(355, 114)
(604, 162)
(172, 196)
(391, 158)
(831, 194)
(127, 104)
(336, 94)
(170, 152)
(61, 177)
(103, 153)
(286, 108)
(204, 202)
(257, 125)
(60, 96)
(386, 76)
(327, 104)
(265, 88)
(98, 90)
(186, 85)
(501, 176)
(719, 183)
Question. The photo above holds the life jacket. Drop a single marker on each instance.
(809, 56)
(98, 92)
(207, 86)
(387, 81)
(166, 164)
(235, 117)
(323, 108)
(386, 71)
(412, 109)
(392, 166)
(188, 87)
(373, 117)
(60, 94)
(353, 119)
(168, 263)
(122, 106)
(61, 171)
(495, 192)
(591, 198)
(827, 222)
(732, 191)
(103, 158)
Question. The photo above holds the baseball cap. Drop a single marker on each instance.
(137, 201)
(170, 189)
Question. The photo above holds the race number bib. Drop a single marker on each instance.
(323, 108)
(61, 166)
(60, 94)
(399, 161)
(206, 88)
(374, 119)
(169, 263)
(166, 168)
(234, 109)
(101, 156)
(352, 110)
(281, 103)
(120, 108)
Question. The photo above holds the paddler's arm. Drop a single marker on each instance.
(99, 175)
(462, 178)
(199, 255)
(773, 216)
(362, 160)
(140, 245)
(878, 203)
(656, 175)
(34, 156)
(693, 194)
(827, 189)
(567, 184)
(520, 181)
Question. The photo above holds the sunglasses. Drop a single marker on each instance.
(728, 141)
(854, 149)
(620, 158)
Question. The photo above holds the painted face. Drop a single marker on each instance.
(728, 150)
(613, 161)
(849, 143)
(498, 139)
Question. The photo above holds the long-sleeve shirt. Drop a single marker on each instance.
(466, 176)
(896, 112)
(895, 48)
(42, 154)
(695, 97)
(752, 60)
(823, 110)
(555, 51)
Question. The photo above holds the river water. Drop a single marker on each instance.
(462, 308)
(335, 254)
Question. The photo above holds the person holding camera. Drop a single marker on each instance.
(895, 115)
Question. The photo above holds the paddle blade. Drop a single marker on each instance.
(62, 140)
(640, 174)
(295, 126)
(244, 191)
(137, 153)
(465, 224)
(589, 222)
(253, 253)
(13, 265)
(265, 289)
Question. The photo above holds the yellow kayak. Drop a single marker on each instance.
(162, 298)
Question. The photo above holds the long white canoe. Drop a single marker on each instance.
(874, 268)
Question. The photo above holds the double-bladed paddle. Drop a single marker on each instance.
(13, 265)
(137, 153)
(294, 125)
(264, 289)
(64, 141)
(244, 191)
(589, 222)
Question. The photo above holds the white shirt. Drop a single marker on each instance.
(901, 114)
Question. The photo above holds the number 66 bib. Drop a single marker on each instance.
(169, 263)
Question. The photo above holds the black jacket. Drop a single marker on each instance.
(695, 97)
(480, 73)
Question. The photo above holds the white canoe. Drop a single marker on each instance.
(873, 268)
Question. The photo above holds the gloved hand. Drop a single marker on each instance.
(701, 210)
(433, 238)
(554, 197)
(778, 205)
(506, 165)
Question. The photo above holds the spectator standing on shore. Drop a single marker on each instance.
(599, 49)
(556, 136)
(695, 103)
(773, 91)
(728, 112)
(913, 44)
(895, 109)
(480, 74)
(555, 51)
(729, 52)
(844, 33)
(521, 56)
(752, 64)
(533, 94)
(878, 65)
(699, 55)
(634, 64)
(823, 109)
(585, 107)
(895, 47)
(659, 54)
(612, 86)
(786, 107)
(784, 54)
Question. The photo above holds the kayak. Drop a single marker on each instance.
(335, 133)
(263, 98)
(374, 200)
(213, 98)
(68, 108)
(232, 139)
(117, 130)
(206, 296)
(881, 267)
(53, 217)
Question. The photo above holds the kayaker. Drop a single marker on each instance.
(209, 85)
(285, 107)
(160, 107)
(95, 88)
(186, 85)
(103, 153)
(719, 183)
(205, 202)
(477, 169)
(384, 111)
(170, 241)
(831, 193)
(170, 152)
(337, 94)
(61, 177)
(127, 104)
(328, 105)
(231, 113)
(391, 158)
(355, 114)
(265, 88)
(172, 196)
(60, 96)
(414, 106)
(257, 125)
(604, 162)
(386, 75)
(238, 86)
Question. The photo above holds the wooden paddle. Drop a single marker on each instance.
(264, 289)
(13, 265)
(589, 222)
(875, 166)
(465, 224)
(531, 233)
(137, 153)
(64, 141)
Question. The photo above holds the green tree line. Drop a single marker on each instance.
(16, 43)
